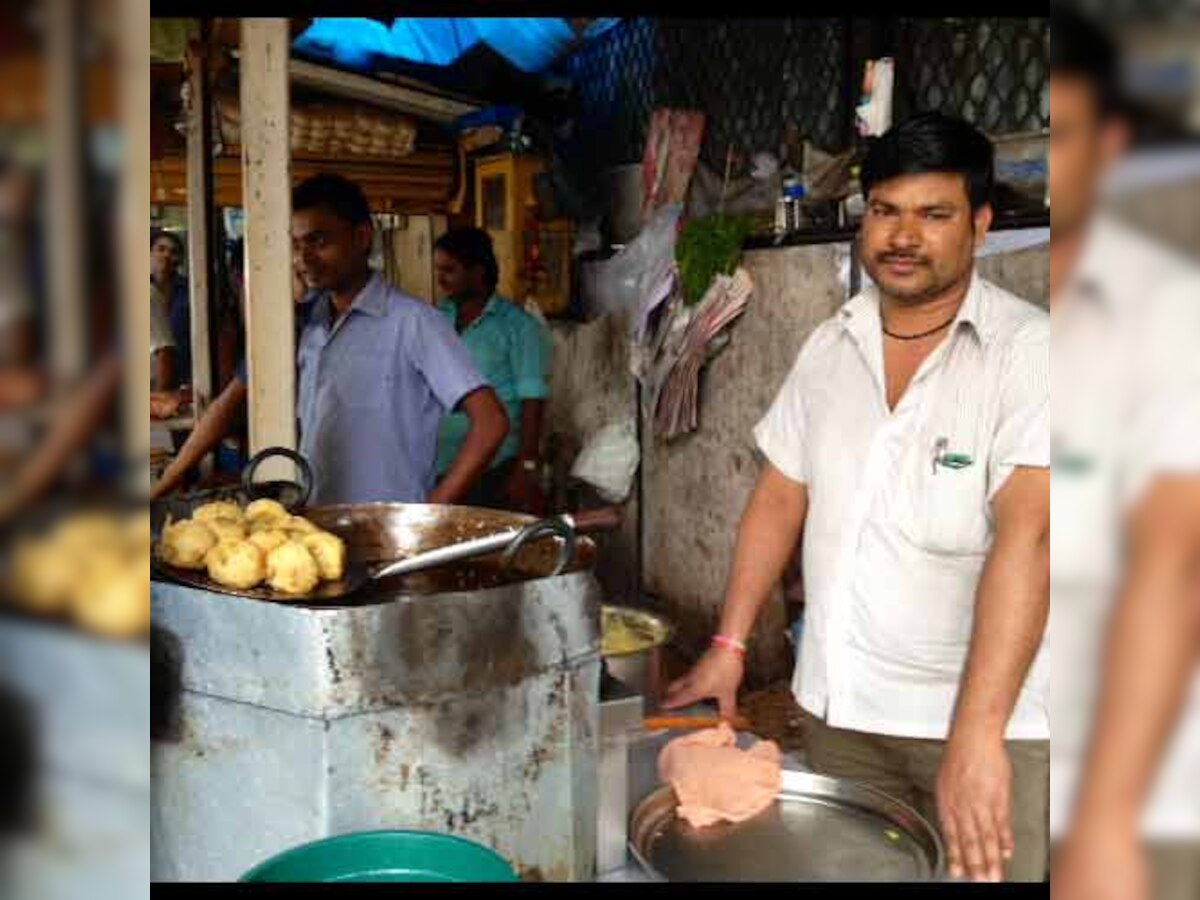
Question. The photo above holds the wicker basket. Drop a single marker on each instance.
(332, 131)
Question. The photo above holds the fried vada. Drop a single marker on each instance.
(292, 569)
(266, 511)
(222, 509)
(267, 539)
(330, 553)
(185, 544)
(236, 564)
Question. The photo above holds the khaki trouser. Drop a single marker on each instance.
(907, 768)
(1174, 869)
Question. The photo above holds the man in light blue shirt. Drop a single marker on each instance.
(512, 350)
(376, 371)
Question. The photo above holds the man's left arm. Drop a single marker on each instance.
(1012, 605)
(1154, 644)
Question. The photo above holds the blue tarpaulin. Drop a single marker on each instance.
(530, 44)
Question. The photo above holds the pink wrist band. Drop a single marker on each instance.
(729, 643)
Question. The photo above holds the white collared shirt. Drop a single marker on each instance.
(1126, 370)
(893, 545)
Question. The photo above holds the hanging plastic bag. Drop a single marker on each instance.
(626, 281)
(609, 460)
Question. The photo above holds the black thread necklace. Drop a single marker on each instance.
(923, 334)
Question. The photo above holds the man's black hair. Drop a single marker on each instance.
(1082, 49)
(339, 195)
(472, 247)
(171, 236)
(932, 142)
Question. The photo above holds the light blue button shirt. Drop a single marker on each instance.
(371, 391)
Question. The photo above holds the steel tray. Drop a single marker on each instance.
(819, 829)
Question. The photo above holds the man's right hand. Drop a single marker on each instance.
(717, 675)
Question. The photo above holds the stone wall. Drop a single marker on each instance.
(697, 486)
(590, 387)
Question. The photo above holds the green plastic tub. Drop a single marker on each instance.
(385, 856)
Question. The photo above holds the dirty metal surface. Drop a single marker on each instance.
(76, 711)
(515, 770)
(91, 698)
(414, 649)
(470, 712)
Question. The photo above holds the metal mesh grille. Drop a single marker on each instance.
(1140, 11)
(753, 77)
(992, 72)
(750, 77)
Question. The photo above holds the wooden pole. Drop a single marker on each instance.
(266, 187)
(134, 284)
(200, 221)
(65, 188)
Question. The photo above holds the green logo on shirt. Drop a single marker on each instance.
(955, 460)
(1071, 464)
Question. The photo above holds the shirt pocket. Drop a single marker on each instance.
(943, 509)
(361, 383)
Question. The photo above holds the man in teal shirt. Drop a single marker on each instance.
(512, 350)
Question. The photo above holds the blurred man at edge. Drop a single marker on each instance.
(1125, 489)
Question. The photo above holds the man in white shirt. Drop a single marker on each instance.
(1125, 489)
(909, 445)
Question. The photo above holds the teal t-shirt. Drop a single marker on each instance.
(512, 351)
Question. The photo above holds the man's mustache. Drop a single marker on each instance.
(901, 257)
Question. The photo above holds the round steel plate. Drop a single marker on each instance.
(819, 829)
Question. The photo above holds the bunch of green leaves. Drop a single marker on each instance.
(707, 247)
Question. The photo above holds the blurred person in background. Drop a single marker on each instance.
(1125, 489)
(511, 349)
(85, 420)
(170, 308)
(22, 382)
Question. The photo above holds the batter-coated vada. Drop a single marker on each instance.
(266, 511)
(267, 539)
(185, 544)
(227, 529)
(236, 564)
(298, 526)
(137, 532)
(329, 552)
(291, 569)
(40, 580)
(222, 509)
(117, 604)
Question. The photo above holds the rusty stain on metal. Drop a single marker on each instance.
(334, 671)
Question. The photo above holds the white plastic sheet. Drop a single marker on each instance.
(609, 460)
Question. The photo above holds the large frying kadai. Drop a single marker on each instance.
(508, 539)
